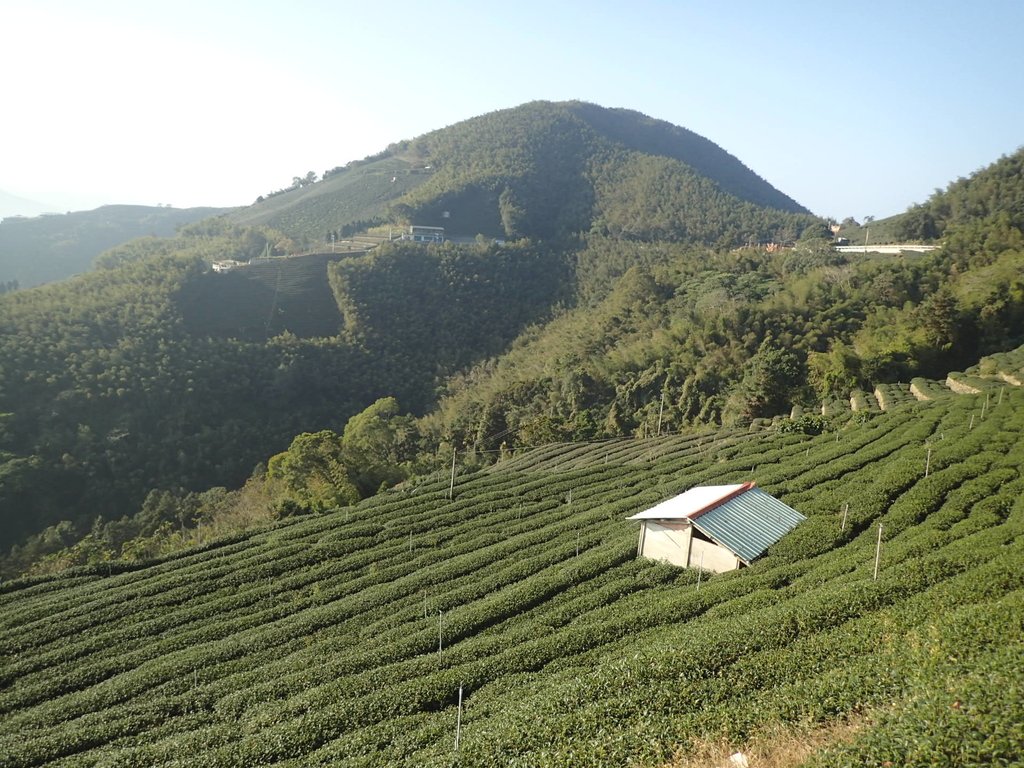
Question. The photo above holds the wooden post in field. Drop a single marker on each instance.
(1000, 400)
(878, 551)
(928, 462)
(971, 425)
(984, 407)
(458, 721)
(846, 510)
(451, 486)
(577, 543)
(661, 410)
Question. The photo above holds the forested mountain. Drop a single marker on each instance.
(989, 199)
(676, 336)
(156, 373)
(52, 247)
(547, 170)
(289, 513)
(630, 295)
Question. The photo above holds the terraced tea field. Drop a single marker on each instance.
(343, 639)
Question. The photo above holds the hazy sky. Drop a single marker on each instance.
(850, 108)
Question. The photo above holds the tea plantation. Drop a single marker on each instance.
(343, 639)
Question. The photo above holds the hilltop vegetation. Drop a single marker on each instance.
(345, 200)
(989, 204)
(547, 170)
(343, 639)
(56, 246)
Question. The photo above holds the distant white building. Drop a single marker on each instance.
(226, 265)
(714, 527)
(420, 234)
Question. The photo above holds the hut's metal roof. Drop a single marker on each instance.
(742, 518)
(748, 523)
(691, 502)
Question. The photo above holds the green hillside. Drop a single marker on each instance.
(546, 170)
(986, 199)
(343, 639)
(154, 376)
(357, 194)
(264, 299)
(53, 247)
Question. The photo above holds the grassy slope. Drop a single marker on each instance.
(315, 642)
(359, 193)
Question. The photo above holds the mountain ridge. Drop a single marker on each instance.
(525, 171)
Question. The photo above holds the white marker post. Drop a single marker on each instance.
(458, 721)
(451, 487)
(878, 551)
(846, 510)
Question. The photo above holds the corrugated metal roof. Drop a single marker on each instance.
(748, 523)
(691, 502)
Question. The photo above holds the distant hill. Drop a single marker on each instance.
(993, 195)
(13, 205)
(53, 247)
(545, 170)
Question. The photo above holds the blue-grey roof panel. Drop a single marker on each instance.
(749, 523)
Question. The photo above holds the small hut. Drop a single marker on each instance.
(714, 527)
